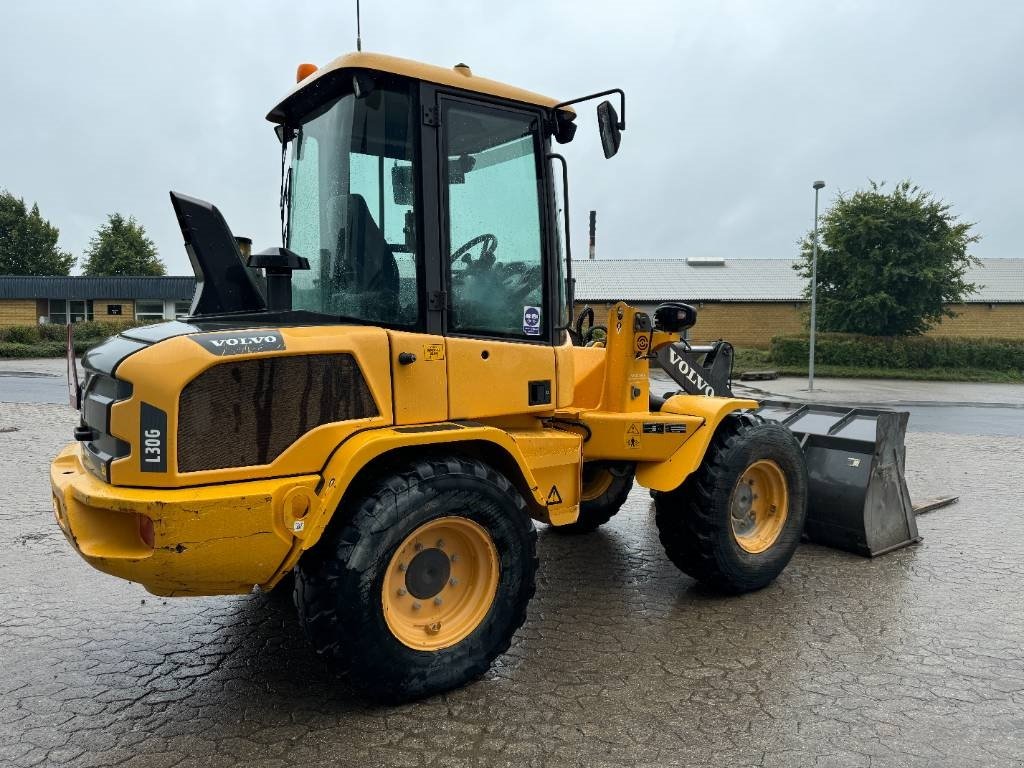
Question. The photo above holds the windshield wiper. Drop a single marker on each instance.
(285, 134)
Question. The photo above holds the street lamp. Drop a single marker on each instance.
(818, 185)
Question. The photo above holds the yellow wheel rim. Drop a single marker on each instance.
(440, 583)
(595, 482)
(759, 506)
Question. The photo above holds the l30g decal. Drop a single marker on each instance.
(152, 439)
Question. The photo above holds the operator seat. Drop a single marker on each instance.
(364, 265)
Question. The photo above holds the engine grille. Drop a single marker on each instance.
(247, 413)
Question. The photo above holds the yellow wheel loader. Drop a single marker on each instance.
(387, 402)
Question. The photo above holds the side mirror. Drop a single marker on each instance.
(608, 125)
(673, 317)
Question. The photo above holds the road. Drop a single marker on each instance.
(969, 409)
(20, 386)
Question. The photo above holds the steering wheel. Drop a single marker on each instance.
(486, 258)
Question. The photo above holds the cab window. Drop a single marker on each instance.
(494, 255)
(352, 210)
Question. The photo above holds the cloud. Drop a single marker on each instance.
(734, 108)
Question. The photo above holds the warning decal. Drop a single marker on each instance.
(554, 497)
(661, 429)
(633, 436)
(433, 351)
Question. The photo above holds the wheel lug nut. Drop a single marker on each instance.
(440, 544)
(453, 582)
(455, 558)
(401, 567)
(418, 547)
(401, 592)
(438, 601)
(434, 628)
(415, 606)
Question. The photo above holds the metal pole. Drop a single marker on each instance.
(814, 287)
(593, 232)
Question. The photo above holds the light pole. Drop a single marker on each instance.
(818, 185)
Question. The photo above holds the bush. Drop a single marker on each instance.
(20, 334)
(39, 349)
(52, 332)
(50, 340)
(909, 352)
(93, 329)
(101, 329)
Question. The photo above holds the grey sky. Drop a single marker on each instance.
(734, 108)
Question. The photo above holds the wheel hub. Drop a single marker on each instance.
(759, 506)
(428, 573)
(440, 583)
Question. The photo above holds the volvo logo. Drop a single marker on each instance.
(240, 343)
(246, 340)
(689, 374)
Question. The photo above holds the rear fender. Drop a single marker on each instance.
(669, 474)
(353, 456)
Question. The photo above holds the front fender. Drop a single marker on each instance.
(669, 474)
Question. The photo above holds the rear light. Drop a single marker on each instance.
(146, 532)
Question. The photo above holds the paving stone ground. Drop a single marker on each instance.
(913, 659)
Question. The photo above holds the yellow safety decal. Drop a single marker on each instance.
(643, 344)
(633, 436)
(433, 352)
(554, 497)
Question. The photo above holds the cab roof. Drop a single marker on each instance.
(459, 76)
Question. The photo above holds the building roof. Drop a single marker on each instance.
(694, 279)
(60, 287)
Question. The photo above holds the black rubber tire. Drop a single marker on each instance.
(338, 583)
(284, 592)
(694, 521)
(597, 511)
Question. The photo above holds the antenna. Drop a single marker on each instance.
(359, 40)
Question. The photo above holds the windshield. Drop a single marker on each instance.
(352, 209)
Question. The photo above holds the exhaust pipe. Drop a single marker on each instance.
(278, 265)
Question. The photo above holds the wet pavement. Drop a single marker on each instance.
(18, 385)
(913, 659)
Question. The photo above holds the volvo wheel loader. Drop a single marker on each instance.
(386, 403)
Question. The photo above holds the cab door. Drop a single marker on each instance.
(498, 322)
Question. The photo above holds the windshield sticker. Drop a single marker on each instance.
(235, 343)
(531, 321)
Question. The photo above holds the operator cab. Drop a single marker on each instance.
(424, 200)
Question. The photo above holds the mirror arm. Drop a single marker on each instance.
(570, 283)
(609, 92)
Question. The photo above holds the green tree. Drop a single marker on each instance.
(889, 264)
(28, 242)
(121, 247)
